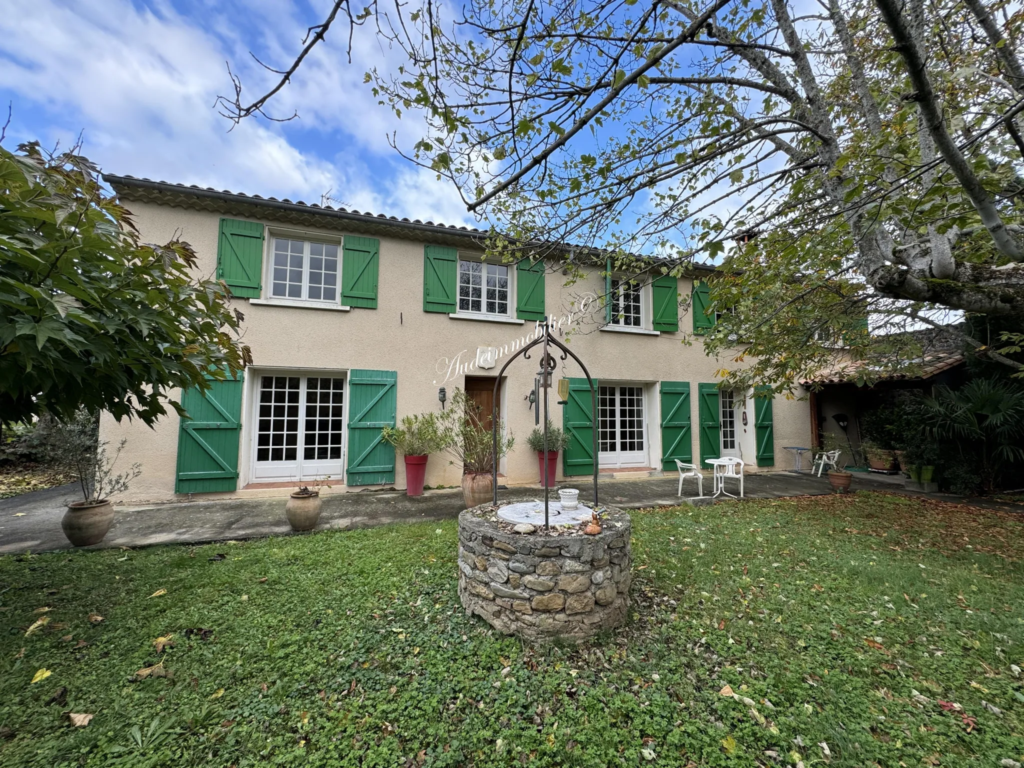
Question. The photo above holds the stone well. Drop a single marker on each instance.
(544, 585)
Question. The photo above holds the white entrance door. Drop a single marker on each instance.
(299, 428)
(728, 404)
(621, 419)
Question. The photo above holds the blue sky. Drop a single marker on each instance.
(138, 81)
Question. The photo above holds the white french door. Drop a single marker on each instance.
(728, 403)
(622, 423)
(299, 428)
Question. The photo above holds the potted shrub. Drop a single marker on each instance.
(303, 507)
(921, 458)
(840, 480)
(417, 438)
(548, 462)
(470, 442)
(77, 452)
(879, 458)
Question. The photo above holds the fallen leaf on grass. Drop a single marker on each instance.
(37, 625)
(157, 670)
(44, 609)
(875, 645)
(95, 618)
(726, 691)
(163, 642)
(42, 674)
(67, 638)
(159, 592)
(80, 721)
(81, 644)
(262, 581)
(217, 694)
(729, 744)
(19, 514)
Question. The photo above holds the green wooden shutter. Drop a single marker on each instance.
(665, 292)
(578, 424)
(359, 266)
(440, 278)
(676, 438)
(240, 256)
(372, 405)
(702, 320)
(530, 290)
(608, 292)
(764, 428)
(208, 439)
(710, 423)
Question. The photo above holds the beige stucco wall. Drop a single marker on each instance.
(400, 336)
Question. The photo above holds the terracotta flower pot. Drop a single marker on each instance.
(551, 460)
(86, 524)
(477, 488)
(415, 472)
(840, 481)
(303, 511)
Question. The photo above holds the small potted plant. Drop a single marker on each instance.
(417, 438)
(879, 459)
(921, 457)
(557, 441)
(469, 441)
(77, 452)
(303, 508)
(840, 480)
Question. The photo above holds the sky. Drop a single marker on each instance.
(138, 81)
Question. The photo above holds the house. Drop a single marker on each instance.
(355, 319)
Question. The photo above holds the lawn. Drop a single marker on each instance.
(849, 631)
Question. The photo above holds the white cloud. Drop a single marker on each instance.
(141, 83)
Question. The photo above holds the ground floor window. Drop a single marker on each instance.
(621, 419)
(299, 427)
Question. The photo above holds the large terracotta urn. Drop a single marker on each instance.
(86, 523)
(477, 488)
(303, 511)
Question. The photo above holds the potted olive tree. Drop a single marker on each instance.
(303, 507)
(548, 461)
(469, 441)
(417, 438)
(76, 450)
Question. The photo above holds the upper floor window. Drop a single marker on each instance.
(304, 270)
(627, 304)
(483, 288)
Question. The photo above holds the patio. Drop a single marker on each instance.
(31, 523)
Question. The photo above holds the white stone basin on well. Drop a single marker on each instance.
(533, 512)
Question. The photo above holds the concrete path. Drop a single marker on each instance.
(31, 522)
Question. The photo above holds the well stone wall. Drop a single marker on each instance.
(543, 586)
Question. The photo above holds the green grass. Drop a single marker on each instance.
(352, 649)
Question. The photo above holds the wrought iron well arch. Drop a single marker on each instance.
(544, 339)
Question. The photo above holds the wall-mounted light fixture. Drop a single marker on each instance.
(442, 395)
(842, 420)
(532, 398)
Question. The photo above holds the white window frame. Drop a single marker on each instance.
(483, 314)
(273, 234)
(251, 429)
(624, 459)
(616, 321)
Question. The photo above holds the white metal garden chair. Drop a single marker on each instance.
(824, 459)
(689, 470)
(726, 468)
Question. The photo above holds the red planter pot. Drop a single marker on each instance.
(415, 471)
(552, 466)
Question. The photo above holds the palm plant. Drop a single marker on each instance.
(985, 418)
